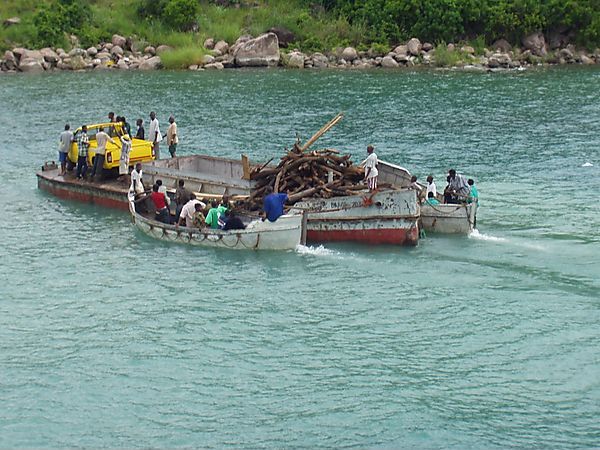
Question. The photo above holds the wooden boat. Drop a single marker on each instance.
(442, 218)
(284, 234)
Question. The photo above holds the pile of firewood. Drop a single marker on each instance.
(301, 174)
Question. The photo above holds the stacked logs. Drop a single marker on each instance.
(300, 174)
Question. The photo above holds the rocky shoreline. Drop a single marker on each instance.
(269, 50)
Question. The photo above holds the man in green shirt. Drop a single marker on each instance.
(473, 194)
(431, 200)
(212, 218)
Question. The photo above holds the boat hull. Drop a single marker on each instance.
(448, 219)
(284, 234)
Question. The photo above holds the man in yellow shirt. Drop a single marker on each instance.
(172, 138)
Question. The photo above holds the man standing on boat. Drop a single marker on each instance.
(66, 137)
(137, 187)
(431, 187)
(154, 135)
(370, 165)
(101, 139)
(83, 144)
(172, 138)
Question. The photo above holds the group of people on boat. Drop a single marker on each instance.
(459, 190)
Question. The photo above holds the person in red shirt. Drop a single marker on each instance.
(162, 212)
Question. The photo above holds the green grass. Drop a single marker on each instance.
(182, 58)
(446, 58)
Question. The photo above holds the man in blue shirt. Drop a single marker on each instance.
(273, 204)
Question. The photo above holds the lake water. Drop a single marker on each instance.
(111, 339)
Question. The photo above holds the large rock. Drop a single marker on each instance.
(117, 50)
(296, 60)
(92, 52)
(221, 47)
(285, 36)
(414, 47)
(566, 54)
(320, 61)
(536, 43)
(149, 50)
(31, 65)
(261, 51)
(152, 63)
(401, 50)
(389, 63)
(585, 59)
(214, 66)
(501, 45)
(427, 47)
(209, 44)
(119, 41)
(349, 54)
(122, 65)
(208, 59)
(49, 55)
(11, 21)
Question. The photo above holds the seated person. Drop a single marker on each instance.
(273, 204)
(162, 212)
(186, 217)
(199, 219)
(212, 218)
(431, 200)
(232, 222)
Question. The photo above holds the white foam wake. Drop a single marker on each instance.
(587, 164)
(475, 234)
(317, 251)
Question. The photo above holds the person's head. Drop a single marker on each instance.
(448, 178)
(139, 122)
(84, 128)
(171, 119)
(198, 206)
(370, 149)
(413, 179)
(138, 166)
(192, 196)
(181, 183)
(470, 182)
(430, 194)
(100, 130)
(214, 203)
(430, 178)
(152, 115)
(268, 190)
(452, 173)
(225, 200)
(123, 119)
(111, 116)
(67, 127)
(155, 187)
(159, 182)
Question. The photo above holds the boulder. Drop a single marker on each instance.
(389, 63)
(149, 50)
(76, 51)
(501, 45)
(209, 44)
(585, 59)
(49, 55)
(152, 63)
(92, 51)
(96, 62)
(11, 21)
(467, 49)
(401, 50)
(399, 58)
(295, 60)
(349, 54)
(215, 66)
(122, 65)
(163, 48)
(77, 62)
(261, 51)
(427, 47)
(104, 56)
(107, 47)
(18, 52)
(208, 59)
(116, 50)
(119, 41)
(222, 47)
(536, 43)
(499, 60)
(414, 47)
(320, 61)
(566, 54)
(285, 36)
(30, 65)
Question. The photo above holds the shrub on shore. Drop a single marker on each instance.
(182, 58)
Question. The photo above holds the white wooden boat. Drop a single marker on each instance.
(284, 234)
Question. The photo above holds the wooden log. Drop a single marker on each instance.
(322, 131)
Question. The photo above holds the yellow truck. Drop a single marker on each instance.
(141, 150)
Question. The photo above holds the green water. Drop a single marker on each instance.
(111, 339)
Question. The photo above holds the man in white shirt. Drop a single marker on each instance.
(172, 138)
(154, 135)
(370, 165)
(188, 211)
(137, 187)
(431, 187)
(101, 140)
(66, 137)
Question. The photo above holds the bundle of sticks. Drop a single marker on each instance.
(302, 174)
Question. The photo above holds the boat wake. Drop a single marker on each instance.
(475, 234)
(317, 251)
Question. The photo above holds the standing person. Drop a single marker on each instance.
(66, 137)
(474, 193)
(140, 133)
(124, 159)
(111, 119)
(137, 186)
(126, 126)
(83, 145)
(101, 140)
(431, 186)
(182, 196)
(273, 204)
(154, 135)
(370, 165)
(172, 138)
